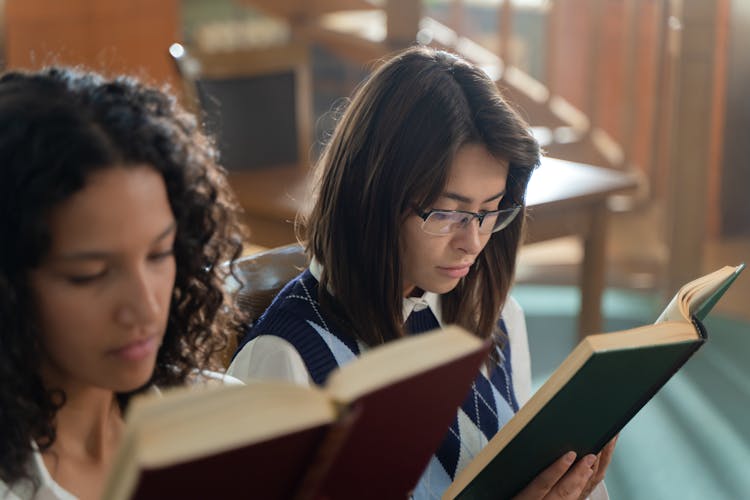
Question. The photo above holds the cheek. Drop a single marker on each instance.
(420, 251)
(69, 321)
(164, 281)
(166, 288)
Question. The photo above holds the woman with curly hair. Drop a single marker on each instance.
(114, 220)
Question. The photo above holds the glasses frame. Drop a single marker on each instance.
(479, 216)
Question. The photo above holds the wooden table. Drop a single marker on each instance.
(564, 199)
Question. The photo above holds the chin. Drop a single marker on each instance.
(133, 379)
(441, 287)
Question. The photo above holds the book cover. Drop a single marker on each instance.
(399, 429)
(368, 433)
(594, 393)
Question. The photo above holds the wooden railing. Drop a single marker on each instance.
(618, 87)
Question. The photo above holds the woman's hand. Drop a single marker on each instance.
(600, 467)
(564, 481)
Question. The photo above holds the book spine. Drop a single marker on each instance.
(315, 477)
(700, 327)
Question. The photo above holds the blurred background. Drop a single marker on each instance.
(650, 92)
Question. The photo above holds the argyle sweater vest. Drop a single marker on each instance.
(295, 316)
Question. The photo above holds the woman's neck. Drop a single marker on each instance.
(89, 427)
(88, 422)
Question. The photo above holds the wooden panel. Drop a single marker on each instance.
(691, 152)
(644, 83)
(402, 17)
(570, 67)
(733, 174)
(306, 9)
(108, 35)
(609, 79)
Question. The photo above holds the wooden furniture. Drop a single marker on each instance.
(262, 275)
(257, 102)
(265, 273)
(111, 36)
(564, 199)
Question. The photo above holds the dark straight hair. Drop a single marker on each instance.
(392, 151)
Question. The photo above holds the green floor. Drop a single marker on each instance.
(693, 439)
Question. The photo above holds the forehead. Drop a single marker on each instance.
(475, 173)
(117, 207)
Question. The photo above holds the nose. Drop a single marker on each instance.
(139, 304)
(468, 238)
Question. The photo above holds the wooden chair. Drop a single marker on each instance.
(262, 276)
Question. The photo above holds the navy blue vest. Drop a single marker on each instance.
(295, 316)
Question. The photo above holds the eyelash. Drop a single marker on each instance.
(161, 255)
(86, 279)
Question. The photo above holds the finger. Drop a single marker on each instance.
(593, 481)
(548, 478)
(600, 467)
(605, 457)
(574, 482)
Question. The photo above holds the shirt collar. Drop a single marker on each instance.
(427, 299)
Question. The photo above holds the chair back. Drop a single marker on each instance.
(261, 276)
(264, 274)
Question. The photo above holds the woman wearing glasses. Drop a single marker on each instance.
(417, 219)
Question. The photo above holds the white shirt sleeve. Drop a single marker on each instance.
(515, 322)
(6, 493)
(269, 357)
(211, 378)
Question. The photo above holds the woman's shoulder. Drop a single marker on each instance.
(200, 378)
(6, 493)
(38, 484)
(292, 308)
(512, 309)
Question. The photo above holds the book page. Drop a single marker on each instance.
(671, 312)
(700, 295)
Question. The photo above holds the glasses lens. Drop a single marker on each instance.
(439, 222)
(498, 222)
(447, 222)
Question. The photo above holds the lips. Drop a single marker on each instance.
(136, 350)
(455, 271)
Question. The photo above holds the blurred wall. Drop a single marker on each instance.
(112, 36)
(734, 197)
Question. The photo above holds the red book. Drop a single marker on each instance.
(369, 433)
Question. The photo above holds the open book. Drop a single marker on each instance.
(369, 433)
(594, 393)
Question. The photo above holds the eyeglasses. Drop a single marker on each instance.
(439, 222)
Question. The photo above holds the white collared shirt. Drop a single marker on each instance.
(48, 488)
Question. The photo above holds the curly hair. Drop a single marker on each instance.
(57, 126)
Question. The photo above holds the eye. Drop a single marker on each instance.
(463, 219)
(441, 216)
(84, 279)
(159, 256)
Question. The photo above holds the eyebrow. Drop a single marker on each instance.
(97, 255)
(464, 199)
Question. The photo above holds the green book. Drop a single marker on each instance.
(594, 393)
